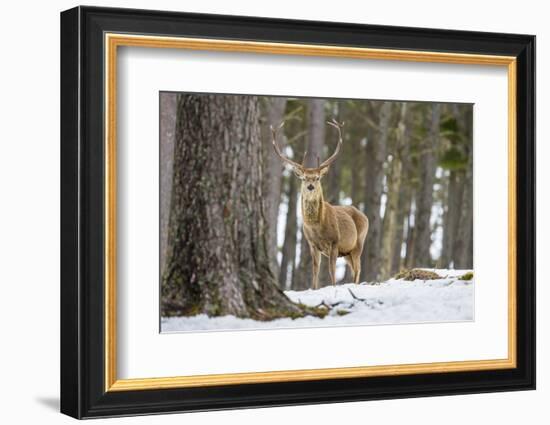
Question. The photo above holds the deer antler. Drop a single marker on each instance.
(330, 160)
(278, 151)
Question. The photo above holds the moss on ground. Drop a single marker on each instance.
(417, 274)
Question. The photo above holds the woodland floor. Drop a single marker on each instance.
(448, 299)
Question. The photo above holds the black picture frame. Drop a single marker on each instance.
(83, 392)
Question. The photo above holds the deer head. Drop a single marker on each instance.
(311, 177)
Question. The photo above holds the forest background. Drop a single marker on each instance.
(407, 165)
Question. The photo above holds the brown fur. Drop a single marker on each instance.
(332, 230)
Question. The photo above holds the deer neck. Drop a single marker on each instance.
(313, 209)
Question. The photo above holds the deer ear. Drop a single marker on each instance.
(323, 171)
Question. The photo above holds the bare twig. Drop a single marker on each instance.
(292, 139)
(293, 115)
(323, 304)
(356, 297)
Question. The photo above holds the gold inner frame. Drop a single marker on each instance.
(113, 41)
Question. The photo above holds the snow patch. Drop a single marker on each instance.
(448, 299)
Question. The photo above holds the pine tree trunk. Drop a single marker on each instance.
(332, 192)
(357, 187)
(374, 170)
(403, 206)
(289, 246)
(463, 249)
(332, 179)
(393, 220)
(411, 231)
(390, 219)
(217, 261)
(168, 103)
(463, 246)
(399, 234)
(451, 220)
(275, 111)
(424, 199)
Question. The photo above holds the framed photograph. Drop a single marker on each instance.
(261, 212)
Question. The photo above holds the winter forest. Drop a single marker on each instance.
(233, 253)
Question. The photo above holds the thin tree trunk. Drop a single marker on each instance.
(411, 232)
(425, 192)
(275, 110)
(332, 179)
(403, 205)
(403, 211)
(451, 219)
(289, 246)
(217, 261)
(332, 195)
(393, 218)
(374, 170)
(464, 239)
(316, 132)
(462, 256)
(357, 188)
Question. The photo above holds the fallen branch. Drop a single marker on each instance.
(355, 297)
(323, 304)
(330, 306)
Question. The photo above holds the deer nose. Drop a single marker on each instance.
(310, 187)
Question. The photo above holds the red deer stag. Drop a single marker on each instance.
(331, 230)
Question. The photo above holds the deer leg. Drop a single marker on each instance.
(332, 264)
(315, 264)
(349, 262)
(355, 265)
(357, 268)
(359, 250)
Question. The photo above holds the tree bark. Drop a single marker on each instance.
(392, 227)
(463, 249)
(401, 205)
(217, 261)
(425, 192)
(375, 157)
(451, 219)
(411, 231)
(168, 103)
(332, 179)
(332, 195)
(275, 111)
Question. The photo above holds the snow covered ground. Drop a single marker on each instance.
(391, 302)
